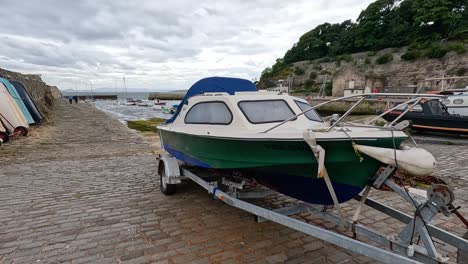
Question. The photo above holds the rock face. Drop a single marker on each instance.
(43, 95)
(360, 70)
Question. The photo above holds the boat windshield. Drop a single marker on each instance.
(266, 111)
(437, 108)
(312, 114)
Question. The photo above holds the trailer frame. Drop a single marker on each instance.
(398, 249)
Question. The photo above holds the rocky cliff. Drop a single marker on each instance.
(43, 95)
(366, 70)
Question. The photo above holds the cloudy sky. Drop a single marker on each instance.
(159, 45)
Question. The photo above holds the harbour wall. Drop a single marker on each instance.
(167, 96)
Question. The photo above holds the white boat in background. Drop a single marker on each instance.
(144, 103)
(157, 107)
(11, 115)
(457, 103)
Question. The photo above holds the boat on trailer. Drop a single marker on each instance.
(230, 129)
(245, 146)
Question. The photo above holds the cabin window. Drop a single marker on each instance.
(458, 101)
(416, 108)
(312, 114)
(213, 113)
(266, 111)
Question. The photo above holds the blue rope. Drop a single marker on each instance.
(213, 195)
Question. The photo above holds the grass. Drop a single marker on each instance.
(148, 125)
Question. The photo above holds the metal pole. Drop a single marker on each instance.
(352, 96)
(391, 109)
(320, 233)
(404, 112)
(346, 114)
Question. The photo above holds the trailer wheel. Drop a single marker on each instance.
(165, 187)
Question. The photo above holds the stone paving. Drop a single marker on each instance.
(83, 190)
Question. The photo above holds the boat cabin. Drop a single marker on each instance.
(256, 111)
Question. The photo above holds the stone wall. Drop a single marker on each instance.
(43, 95)
(363, 70)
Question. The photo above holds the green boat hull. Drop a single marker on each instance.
(288, 166)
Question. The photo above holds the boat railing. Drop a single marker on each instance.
(414, 99)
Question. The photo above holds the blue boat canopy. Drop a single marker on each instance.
(215, 85)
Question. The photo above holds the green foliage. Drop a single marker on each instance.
(312, 75)
(298, 71)
(458, 47)
(328, 88)
(460, 71)
(146, 125)
(435, 51)
(384, 24)
(385, 58)
(367, 61)
(325, 59)
(309, 83)
(346, 57)
(411, 55)
(371, 53)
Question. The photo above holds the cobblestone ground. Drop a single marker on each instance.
(83, 190)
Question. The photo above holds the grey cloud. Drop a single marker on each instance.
(171, 42)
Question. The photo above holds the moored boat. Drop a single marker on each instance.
(226, 124)
(430, 115)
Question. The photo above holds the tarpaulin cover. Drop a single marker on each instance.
(215, 85)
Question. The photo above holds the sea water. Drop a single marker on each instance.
(132, 112)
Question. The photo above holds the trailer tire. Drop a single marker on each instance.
(166, 188)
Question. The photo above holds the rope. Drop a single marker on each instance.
(353, 144)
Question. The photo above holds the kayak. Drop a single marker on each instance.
(27, 100)
(10, 114)
(14, 94)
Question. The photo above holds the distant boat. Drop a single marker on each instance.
(10, 114)
(168, 110)
(157, 102)
(144, 104)
(130, 101)
(431, 115)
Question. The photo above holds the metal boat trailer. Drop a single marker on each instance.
(393, 249)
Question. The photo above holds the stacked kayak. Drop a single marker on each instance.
(27, 100)
(14, 94)
(17, 110)
(11, 115)
(3, 134)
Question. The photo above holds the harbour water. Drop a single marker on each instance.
(132, 112)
